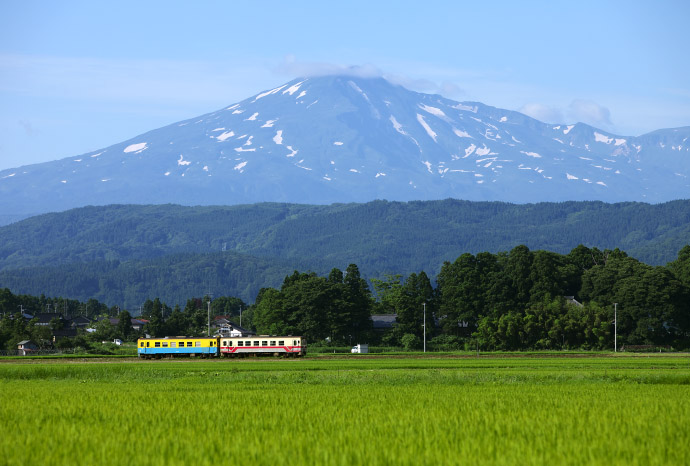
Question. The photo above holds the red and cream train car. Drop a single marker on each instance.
(267, 345)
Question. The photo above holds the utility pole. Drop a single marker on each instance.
(425, 327)
(615, 327)
(209, 318)
(240, 316)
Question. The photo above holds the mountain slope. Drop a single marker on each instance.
(346, 139)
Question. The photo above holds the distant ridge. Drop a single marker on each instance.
(123, 254)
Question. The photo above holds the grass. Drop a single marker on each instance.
(351, 410)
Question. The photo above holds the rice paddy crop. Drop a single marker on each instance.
(602, 410)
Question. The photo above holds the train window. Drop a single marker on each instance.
(198, 344)
(141, 344)
(240, 343)
(158, 344)
(229, 342)
(247, 343)
(264, 343)
(148, 344)
(281, 342)
(173, 344)
(165, 344)
(273, 342)
(189, 344)
(256, 343)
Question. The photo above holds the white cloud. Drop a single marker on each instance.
(542, 113)
(579, 110)
(294, 68)
(589, 112)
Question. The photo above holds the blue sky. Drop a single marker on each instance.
(79, 76)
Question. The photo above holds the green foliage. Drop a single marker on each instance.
(337, 307)
(126, 254)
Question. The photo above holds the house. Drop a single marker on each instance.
(573, 301)
(232, 330)
(79, 322)
(66, 332)
(138, 324)
(383, 322)
(45, 318)
(26, 347)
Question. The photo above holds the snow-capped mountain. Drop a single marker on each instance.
(346, 139)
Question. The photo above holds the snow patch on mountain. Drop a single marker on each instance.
(225, 135)
(264, 94)
(461, 134)
(396, 125)
(294, 88)
(483, 151)
(426, 127)
(136, 148)
(433, 110)
(469, 150)
(467, 108)
(598, 137)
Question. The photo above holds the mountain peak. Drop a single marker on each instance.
(349, 138)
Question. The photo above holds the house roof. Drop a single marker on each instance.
(81, 319)
(65, 332)
(24, 342)
(383, 321)
(46, 317)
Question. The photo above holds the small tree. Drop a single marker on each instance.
(124, 328)
(411, 342)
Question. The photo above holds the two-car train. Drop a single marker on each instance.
(222, 346)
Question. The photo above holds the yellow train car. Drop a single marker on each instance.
(148, 348)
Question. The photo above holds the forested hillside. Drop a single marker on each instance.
(126, 253)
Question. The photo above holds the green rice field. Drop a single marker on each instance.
(632, 410)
